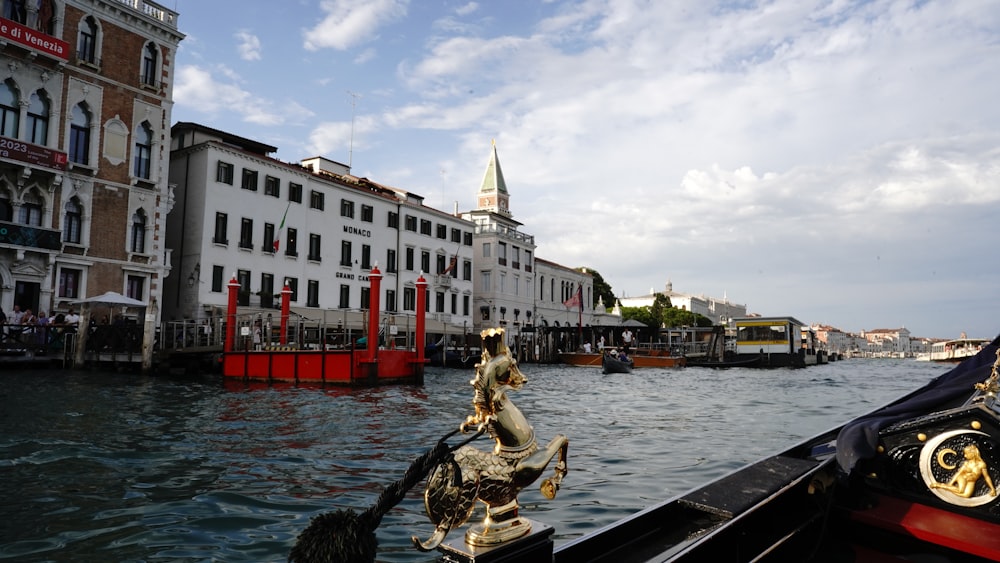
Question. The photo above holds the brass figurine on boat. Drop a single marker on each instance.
(494, 477)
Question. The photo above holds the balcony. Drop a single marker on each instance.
(443, 280)
(30, 237)
(153, 10)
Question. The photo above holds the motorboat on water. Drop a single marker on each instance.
(612, 361)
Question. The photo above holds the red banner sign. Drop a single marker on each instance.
(32, 154)
(33, 39)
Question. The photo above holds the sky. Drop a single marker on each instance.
(837, 161)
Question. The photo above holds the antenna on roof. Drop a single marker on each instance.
(350, 150)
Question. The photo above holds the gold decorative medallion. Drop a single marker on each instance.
(953, 468)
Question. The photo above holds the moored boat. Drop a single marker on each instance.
(641, 358)
(953, 351)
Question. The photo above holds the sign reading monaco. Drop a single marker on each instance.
(29, 153)
(33, 39)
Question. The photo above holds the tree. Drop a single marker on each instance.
(601, 288)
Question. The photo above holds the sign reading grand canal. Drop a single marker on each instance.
(34, 39)
(29, 153)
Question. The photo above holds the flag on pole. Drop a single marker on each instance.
(277, 234)
(576, 300)
(452, 264)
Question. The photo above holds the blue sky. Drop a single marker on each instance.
(837, 161)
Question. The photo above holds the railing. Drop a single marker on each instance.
(59, 341)
(153, 10)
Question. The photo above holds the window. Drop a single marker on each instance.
(6, 210)
(465, 305)
(409, 299)
(502, 253)
(143, 151)
(16, 11)
(243, 294)
(390, 300)
(345, 253)
(79, 135)
(425, 261)
(69, 283)
(293, 285)
(515, 257)
(246, 233)
(267, 291)
(365, 297)
(345, 296)
(268, 242)
(72, 221)
(86, 47)
(439, 301)
(312, 293)
(411, 223)
(527, 260)
(139, 231)
(409, 259)
(10, 110)
(425, 227)
(272, 186)
(467, 270)
(218, 275)
(31, 211)
(316, 200)
(293, 236)
(442, 231)
(487, 282)
(486, 250)
(315, 253)
(135, 287)
(367, 213)
(366, 256)
(456, 235)
(390, 260)
(220, 229)
(295, 192)
(467, 238)
(149, 58)
(441, 258)
(454, 303)
(224, 173)
(346, 208)
(249, 180)
(38, 119)
(393, 221)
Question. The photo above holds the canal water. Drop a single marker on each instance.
(103, 466)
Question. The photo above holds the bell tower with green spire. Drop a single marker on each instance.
(493, 195)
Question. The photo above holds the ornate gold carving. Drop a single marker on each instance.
(957, 478)
(493, 477)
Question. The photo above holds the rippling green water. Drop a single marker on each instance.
(112, 467)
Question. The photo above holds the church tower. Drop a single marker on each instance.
(493, 196)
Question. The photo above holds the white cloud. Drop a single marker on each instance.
(198, 89)
(347, 23)
(249, 46)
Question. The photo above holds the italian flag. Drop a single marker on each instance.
(277, 235)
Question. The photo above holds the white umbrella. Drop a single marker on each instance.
(112, 299)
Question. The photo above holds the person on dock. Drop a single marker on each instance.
(626, 340)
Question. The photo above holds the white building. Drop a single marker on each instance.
(719, 311)
(311, 225)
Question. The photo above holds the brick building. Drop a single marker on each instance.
(85, 105)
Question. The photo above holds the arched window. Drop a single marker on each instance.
(46, 16)
(72, 221)
(6, 209)
(79, 135)
(143, 151)
(86, 46)
(139, 231)
(149, 58)
(9, 111)
(16, 10)
(38, 119)
(31, 211)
